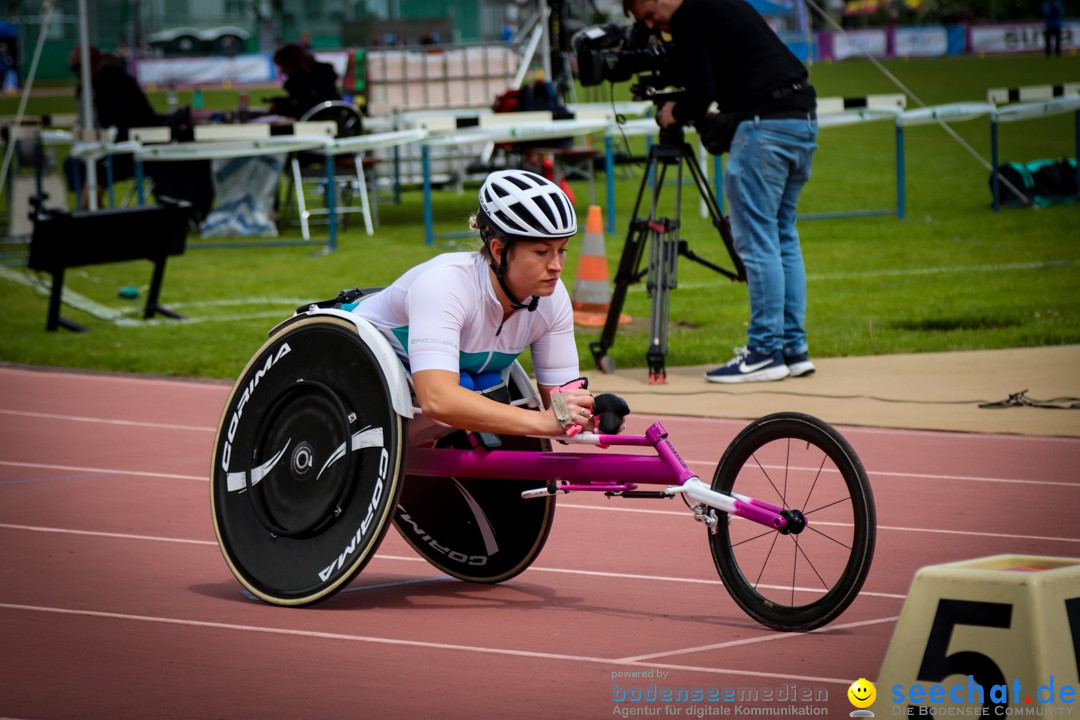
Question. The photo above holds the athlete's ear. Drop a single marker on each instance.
(498, 247)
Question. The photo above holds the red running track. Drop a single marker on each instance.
(116, 603)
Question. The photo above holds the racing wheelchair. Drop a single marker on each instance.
(320, 449)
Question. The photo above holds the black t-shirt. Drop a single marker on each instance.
(120, 102)
(723, 50)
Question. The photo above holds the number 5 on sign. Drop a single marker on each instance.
(987, 635)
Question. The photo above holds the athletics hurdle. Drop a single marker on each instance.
(837, 112)
(840, 111)
(831, 112)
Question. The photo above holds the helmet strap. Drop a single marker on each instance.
(500, 275)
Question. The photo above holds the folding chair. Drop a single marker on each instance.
(310, 167)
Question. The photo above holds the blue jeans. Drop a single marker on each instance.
(768, 165)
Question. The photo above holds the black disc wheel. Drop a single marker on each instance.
(476, 529)
(307, 463)
(804, 576)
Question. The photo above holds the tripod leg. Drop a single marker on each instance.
(628, 272)
(626, 275)
(663, 261)
(663, 278)
(719, 220)
(658, 316)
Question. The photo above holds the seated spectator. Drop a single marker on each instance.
(119, 102)
(308, 82)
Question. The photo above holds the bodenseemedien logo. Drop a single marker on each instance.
(862, 695)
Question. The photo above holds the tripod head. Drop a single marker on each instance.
(647, 89)
(673, 136)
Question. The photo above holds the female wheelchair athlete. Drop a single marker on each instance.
(320, 449)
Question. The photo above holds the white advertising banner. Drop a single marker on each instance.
(1018, 37)
(205, 70)
(221, 70)
(339, 59)
(921, 42)
(857, 43)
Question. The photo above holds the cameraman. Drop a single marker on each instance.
(724, 51)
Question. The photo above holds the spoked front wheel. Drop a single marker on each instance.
(804, 576)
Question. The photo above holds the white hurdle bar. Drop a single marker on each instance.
(831, 112)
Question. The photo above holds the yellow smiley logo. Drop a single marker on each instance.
(862, 693)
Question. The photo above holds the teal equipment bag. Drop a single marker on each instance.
(1043, 182)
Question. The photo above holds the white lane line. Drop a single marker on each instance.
(699, 463)
(401, 558)
(696, 581)
(98, 533)
(368, 639)
(849, 430)
(67, 295)
(178, 383)
(911, 475)
(896, 528)
(103, 471)
(291, 302)
(153, 322)
(759, 639)
(105, 421)
(120, 316)
(563, 504)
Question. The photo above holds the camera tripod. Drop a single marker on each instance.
(664, 250)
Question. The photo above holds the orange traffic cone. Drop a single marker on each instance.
(592, 291)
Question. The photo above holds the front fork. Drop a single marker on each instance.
(705, 500)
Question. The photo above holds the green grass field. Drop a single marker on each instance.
(952, 276)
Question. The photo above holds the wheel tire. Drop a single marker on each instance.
(307, 463)
(818, 474)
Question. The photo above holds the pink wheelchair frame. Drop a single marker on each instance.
(789, 512)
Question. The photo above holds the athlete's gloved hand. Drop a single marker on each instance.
(581, 383)
(609, 411)
(562, 412)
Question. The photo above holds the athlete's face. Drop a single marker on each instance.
(535, 267)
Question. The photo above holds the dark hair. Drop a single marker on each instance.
(75, 59)
(292, 57)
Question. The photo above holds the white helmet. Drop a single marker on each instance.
(521, 205)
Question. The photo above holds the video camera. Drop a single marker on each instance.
(618, 52)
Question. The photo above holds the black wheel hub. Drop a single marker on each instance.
(303, 460)
(301, 499)
(796, 522)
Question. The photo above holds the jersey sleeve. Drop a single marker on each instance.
(554, 354)
(436, 317)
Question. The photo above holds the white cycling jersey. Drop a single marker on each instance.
(443, 315)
